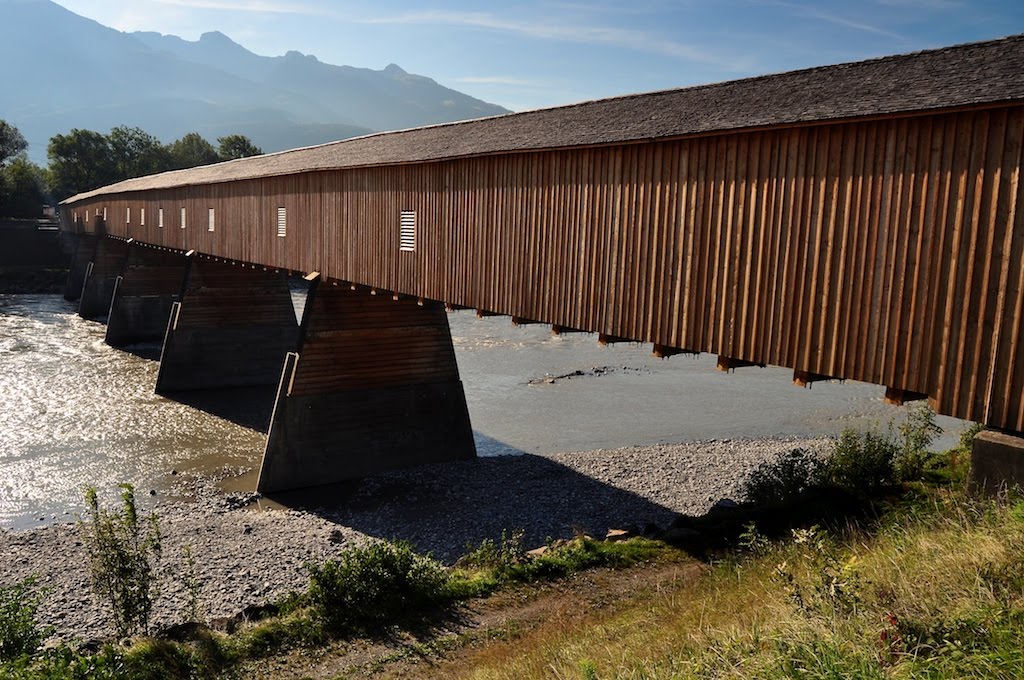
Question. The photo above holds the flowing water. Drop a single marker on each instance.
(76, 412)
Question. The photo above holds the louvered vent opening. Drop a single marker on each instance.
(104, 214)
(128, 216)
(211, 222)
(407, 239)
(76, 218)
(282, 222)
(160, 218)
(182, 218)
(142, 217)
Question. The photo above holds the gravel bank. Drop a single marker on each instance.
(248, 556)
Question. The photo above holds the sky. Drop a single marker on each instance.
(536, 53)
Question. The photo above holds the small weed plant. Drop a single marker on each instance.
(20, 632)
(123, 551)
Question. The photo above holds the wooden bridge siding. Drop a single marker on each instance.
(875, 251)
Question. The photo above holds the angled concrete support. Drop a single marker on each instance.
(232, 327)
(85, 246)
(374, 386)
(143, 295)
(101, 277)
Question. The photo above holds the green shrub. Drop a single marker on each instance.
(784, 479)
(122, 555)
(375, 584)
(20, 633)
(918, 432)
(861, 463)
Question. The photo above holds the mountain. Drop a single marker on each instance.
(59, 70)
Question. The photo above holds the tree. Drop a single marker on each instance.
(23, 190)
(11, 141)
(236, 146)
(80, 161)
(136, 153)
(192, 150)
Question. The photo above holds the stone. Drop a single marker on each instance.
(615, 535)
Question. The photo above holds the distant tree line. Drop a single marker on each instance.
(82, 160)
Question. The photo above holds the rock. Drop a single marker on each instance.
(537, 552)
(681, 536)
(336, 536)
(615, 535)
(651, 530)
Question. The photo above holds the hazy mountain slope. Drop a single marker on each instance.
(386, 99)
(60, 70)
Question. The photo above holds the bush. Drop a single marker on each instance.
(122, 555)
(784, 479)
(861, 463)
(918, 432)
(20, 633)
(374, 585)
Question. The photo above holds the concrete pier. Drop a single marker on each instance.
(997, 462)
(148, 287)
(85, 247)
(232, 327)
(108, 262)
(374, 386)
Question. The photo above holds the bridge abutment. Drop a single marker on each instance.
(107, 263)
(143, 295)
(374, 386)
(85, 247)
(232, 327)
(997, 461)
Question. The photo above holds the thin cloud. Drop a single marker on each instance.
(934, 5)
(255, 6)
(630, 39)
(845, 22)
(501, 80)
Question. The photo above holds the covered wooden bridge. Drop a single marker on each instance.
(857, 222)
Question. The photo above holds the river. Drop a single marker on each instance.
(76, 412)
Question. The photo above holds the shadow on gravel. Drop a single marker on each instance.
(441, 508)
(249, 407)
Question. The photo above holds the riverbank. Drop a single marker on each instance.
(32, 280)
(247, 556)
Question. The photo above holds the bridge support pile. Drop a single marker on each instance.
(85, 246)
(101, 277)
(144, 294)
(374, 386)
(232, 327)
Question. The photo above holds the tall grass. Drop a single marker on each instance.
(934, 590)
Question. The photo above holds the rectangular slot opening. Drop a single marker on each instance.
(211, 219)
(182, 218)
(282, 222)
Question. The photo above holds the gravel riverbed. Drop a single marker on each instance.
(250, 555)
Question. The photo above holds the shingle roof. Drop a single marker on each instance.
(963, 75)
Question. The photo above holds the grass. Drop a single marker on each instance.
(934, 590)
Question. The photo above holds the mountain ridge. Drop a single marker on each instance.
(86, 75)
